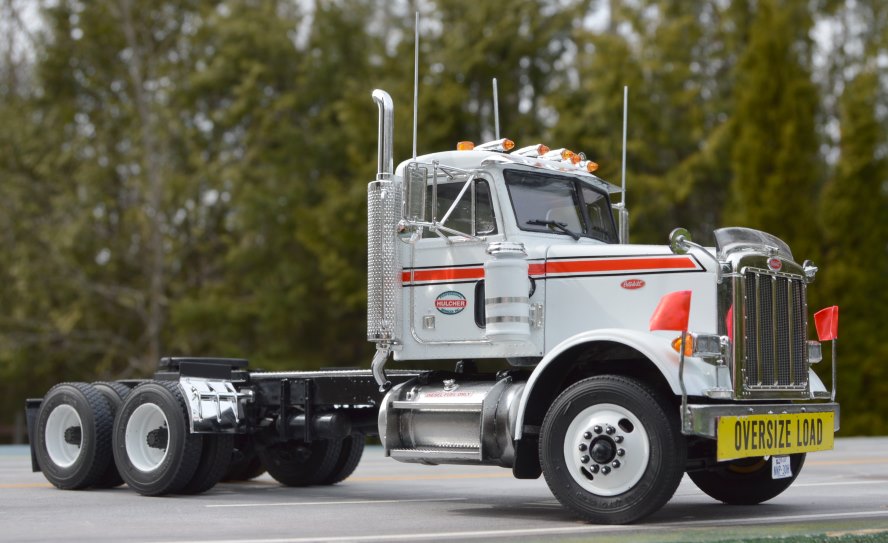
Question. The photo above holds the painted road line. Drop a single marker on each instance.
(347, 502)
(590, 529)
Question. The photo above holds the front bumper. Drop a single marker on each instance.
(702, 419)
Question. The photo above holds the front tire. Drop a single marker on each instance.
(746, 481)
(73, 433)
(611, 449)
(154, 449)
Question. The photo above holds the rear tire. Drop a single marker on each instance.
(746, 481)
(73, 432)
(215, 458)
(154, 449)
(349, 458)
(245, 463)
(294, 463)
(611, 449)
(115, 393)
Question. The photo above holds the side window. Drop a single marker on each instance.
(461, 218)
(600, 219)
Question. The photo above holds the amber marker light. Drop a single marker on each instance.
(689, 345)
(508, 144)
(591, 166)
(465, 146)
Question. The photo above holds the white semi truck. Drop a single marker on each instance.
(514, 255)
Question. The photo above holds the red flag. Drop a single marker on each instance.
(827, 323)
(672, 312)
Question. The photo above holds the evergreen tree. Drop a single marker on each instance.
(777, 170)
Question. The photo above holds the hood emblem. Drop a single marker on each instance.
(632, 284)
(775, 264)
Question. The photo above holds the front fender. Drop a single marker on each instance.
(698, 375)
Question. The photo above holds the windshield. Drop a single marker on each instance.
(561, 205)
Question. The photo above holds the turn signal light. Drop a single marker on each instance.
(465, 146)
(689, 345)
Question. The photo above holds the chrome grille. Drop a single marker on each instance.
(775, 331)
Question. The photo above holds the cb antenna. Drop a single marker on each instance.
(415, 81)
(495, 112)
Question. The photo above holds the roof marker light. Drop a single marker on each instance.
(465, 146)
(532, 151)
(591, 166)
(501, 145)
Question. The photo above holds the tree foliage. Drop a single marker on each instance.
(189, 177)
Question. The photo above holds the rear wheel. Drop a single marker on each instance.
(245, 463)
(154, 449)
(611, 449)
(294, 463)
(349, 458)
(73, 445)
(746, 481)
(215, 457)
(115, 393)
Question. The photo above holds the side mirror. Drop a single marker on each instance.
(415, 193)
(678, 241)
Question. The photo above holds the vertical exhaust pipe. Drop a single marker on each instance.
(386, 166)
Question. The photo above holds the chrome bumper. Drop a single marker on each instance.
(702, 420)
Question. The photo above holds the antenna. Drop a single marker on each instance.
(625, 116)
(495, 111)
(415, 81)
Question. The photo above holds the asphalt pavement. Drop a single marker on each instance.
(841, 493)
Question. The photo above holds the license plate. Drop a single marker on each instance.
(780, 467)
(764, 435)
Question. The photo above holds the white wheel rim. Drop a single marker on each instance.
(145, 419)
(606, 438)
(61, 419)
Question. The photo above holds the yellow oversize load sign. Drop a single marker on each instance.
(764, 435)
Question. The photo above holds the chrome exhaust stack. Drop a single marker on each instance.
(384, 202)
(386, 166)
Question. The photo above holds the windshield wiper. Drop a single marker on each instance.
(555, 224)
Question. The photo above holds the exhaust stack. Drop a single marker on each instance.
(386, 166)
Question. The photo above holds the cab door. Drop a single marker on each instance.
(443, 275)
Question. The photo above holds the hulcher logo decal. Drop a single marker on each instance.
(775, 264)
(632, 284)
(450, 302)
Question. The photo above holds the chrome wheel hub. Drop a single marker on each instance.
(606, 449)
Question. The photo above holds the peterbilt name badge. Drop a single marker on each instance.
(632, 284)
(450, 302)
(775, 264)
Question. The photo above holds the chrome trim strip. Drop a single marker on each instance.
(507, 300)
(494, 320)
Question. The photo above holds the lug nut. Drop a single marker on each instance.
(618, 439)
(594, 468)
(583, 447)
(587, 435)
(621, 452)
(616, 464)
(596, 429)
(610, 430)
(605, 470)
(584, 459)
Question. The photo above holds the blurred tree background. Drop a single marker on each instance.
(188, 177)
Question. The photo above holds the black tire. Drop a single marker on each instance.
(245, 463)
(294, 463)
(349, 458)
(215, 457)
(611, 449)
(115, 393)
(154, 449)
(746, 481)
(73, 436)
